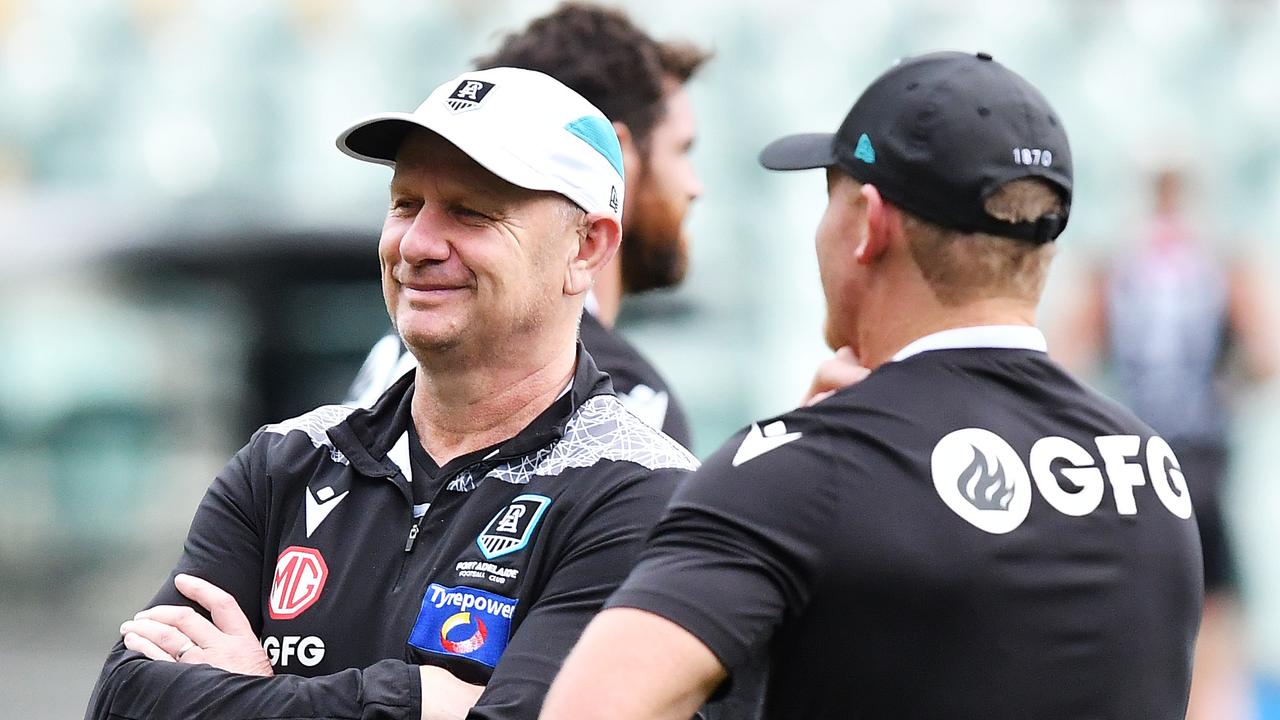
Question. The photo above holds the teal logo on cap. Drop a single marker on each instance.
(598, 133)
(864, 151)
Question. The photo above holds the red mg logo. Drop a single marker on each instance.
(299, 578)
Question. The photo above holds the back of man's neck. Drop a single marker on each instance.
(461, 409)
(883, 341)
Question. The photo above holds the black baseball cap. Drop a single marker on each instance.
(937, 134)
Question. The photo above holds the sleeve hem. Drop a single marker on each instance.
(710, 631)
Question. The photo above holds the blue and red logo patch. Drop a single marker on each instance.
(463, 621)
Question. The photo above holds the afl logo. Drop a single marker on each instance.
(467, 639)
(982, 479)
(299, 578)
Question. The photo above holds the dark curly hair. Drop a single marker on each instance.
(603, 56)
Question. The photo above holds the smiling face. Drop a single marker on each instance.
(469, 260)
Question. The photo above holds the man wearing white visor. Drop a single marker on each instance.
(444, 547)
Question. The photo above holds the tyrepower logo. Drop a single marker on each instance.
(299, 578)
(464, 621)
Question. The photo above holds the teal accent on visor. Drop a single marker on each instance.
(598, 133)
(864, 151)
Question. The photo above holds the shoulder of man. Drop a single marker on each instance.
(602, 430)
(637, 383)
(298, 443)
(807, 436)
(774, 441)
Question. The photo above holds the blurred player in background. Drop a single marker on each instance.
(967, 532)
(638, 83)
(1171, 321)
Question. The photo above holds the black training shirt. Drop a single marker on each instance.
(966, 534)
(636, 381)
(351, 582)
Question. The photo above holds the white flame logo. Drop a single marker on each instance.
(984, 485)
(982, 479)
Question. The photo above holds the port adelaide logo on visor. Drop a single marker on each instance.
(468, 95)
(512, 528)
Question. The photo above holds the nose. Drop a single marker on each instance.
(695, 185)
(424, 241)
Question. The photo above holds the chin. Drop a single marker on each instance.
(431, 336)
(829, 334)
(427, 345)
(836, 340)
(680, 262)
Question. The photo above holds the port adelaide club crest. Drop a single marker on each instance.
(468, 95)
(513, 527)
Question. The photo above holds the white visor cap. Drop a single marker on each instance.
(521, 125)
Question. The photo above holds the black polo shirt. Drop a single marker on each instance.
(636, 381)
(356, 559)
(968, 533)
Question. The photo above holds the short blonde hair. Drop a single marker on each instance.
(963, 267)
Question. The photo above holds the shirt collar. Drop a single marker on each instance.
(367, 435)
(1007, 337)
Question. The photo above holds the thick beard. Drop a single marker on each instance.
(654, 246)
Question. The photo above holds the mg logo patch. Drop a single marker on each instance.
(299, 578)
(468, 95)
(982, 479)
(511, 529)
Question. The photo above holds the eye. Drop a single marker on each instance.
(404, 206)
(467, 214)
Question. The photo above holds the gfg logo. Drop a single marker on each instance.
(983, 479)
(308, 651)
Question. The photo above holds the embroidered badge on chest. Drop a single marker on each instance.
(296, 584)
(513, 527)
(464, 621)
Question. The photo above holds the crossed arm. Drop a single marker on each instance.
(175, 662)
(226, 641)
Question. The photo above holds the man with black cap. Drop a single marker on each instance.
(965, 533)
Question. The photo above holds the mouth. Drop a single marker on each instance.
(428, 292)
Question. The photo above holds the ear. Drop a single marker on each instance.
(597, 243)
(882, 223)
(630, 150)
